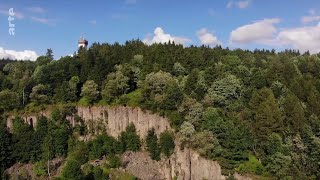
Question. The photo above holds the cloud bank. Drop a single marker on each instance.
(258, 32)
(265, 32)
(159, 36)
(18, 55)
(207, 38)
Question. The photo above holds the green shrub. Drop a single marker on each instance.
(40, 168)
(84, 102)
(72, 170)
(253, 165)
(113, 161)
(134, 98)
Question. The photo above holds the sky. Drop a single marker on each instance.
(246, 24)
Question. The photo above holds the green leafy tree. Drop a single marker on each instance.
(90, 91)
(187, 130)
(206, 144)
(40, 94)
(161, 91)
(116, 84)
(225, 90)
(178, 69)
(73, 88)
(9, 100)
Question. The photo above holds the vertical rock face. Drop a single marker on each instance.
(187, 164)
(116, 119)
(184, 164)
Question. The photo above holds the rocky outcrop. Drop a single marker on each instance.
(184, 164)
(142, 166)
(27, 171)
(114, 120)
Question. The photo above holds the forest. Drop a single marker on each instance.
(255, 112)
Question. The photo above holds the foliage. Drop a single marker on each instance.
(252, 166)
(167, 143)
(40, 168)
(9, 100)
(152, 145)
(90, 91)
(72, 170)
(225, 90)
(186, 130)
(6, 147)
(226, 104)
(40, 94)
(113, 161)
(115, 85)
(160, 91)
(129, 139)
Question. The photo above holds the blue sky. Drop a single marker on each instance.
(234, 23)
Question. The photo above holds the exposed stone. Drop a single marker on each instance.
(184, 164)
(26, 171)
(142, 166)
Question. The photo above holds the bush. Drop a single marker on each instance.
(72, 170)
(99, 174)
(40, 168)
(84, 102)
(113, 161)
(252, 166)
(80, 153)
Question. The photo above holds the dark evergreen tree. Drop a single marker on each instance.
(152, 145)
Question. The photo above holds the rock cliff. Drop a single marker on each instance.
(184, 164)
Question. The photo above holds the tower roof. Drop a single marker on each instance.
(82, 40)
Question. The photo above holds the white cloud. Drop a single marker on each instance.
(309, 19)
(207, 38)
(302, 38)
(160, 36)
(257, 32)
(265, 32)
(239, 4)
(18, 55)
